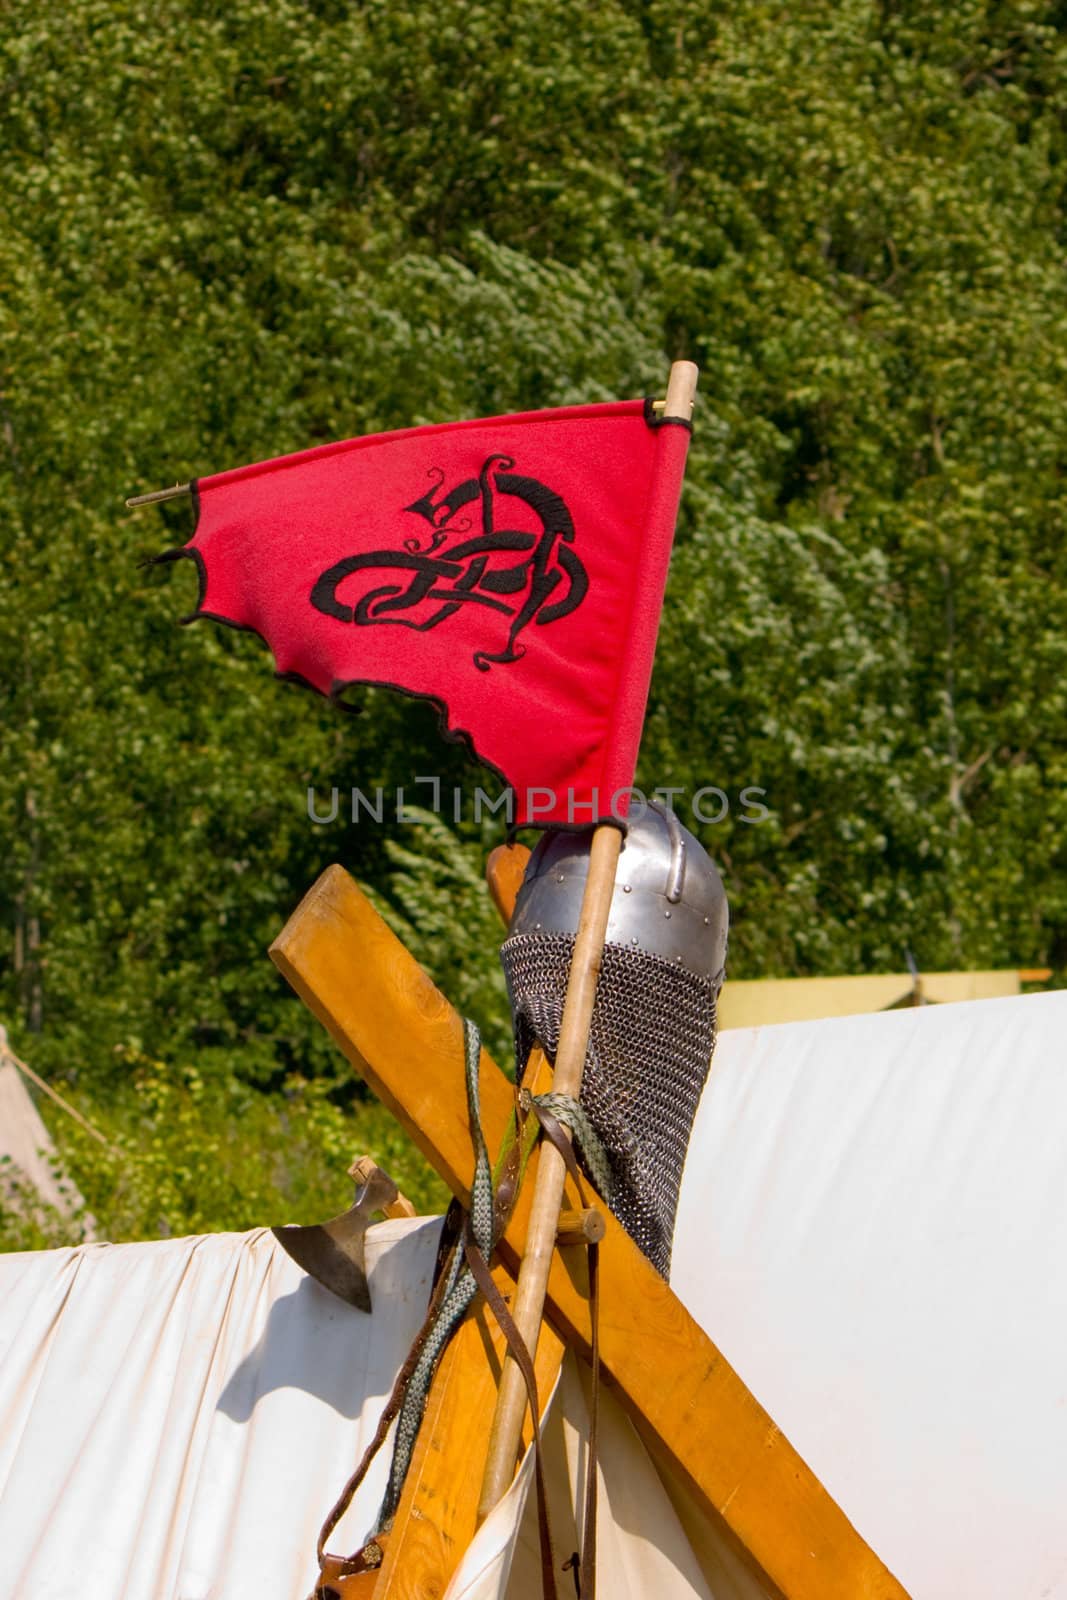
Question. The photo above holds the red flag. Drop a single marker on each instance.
(510, 569)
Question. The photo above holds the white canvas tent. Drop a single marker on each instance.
(873, 1228)
(28, 1160)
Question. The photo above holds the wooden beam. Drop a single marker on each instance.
(503, 873)
(405, 1039)
(438, 1513)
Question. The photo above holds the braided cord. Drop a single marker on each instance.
(566, 1109)
(458, 1296)
(479, 1227)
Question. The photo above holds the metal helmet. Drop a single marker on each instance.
(653, 1028)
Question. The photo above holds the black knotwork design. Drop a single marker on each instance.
(441, 577)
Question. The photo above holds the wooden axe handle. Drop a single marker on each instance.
(361, 1171)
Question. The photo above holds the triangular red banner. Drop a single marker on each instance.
(510, 569)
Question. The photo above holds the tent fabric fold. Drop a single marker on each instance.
(873, 1229)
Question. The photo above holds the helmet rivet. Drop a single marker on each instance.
(707, 922)
(666, 913)
(559, 877)
(627, 887)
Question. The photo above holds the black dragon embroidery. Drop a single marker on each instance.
(527, 576)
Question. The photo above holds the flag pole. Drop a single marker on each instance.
(158, 495)
(529, 1301)
(179, 489)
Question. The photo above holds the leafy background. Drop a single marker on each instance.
(233, 231)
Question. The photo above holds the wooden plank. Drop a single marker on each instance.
(503, 873)
(406, 1040)
(393, 1024)
(438, 1513)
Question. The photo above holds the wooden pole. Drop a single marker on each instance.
(551, 1171)
(570, 1061)
(438, 1512)
(158, 495)
(504, 874)
(660, 407)
(7, 1054)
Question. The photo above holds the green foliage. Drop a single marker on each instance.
(192, 1149)
(236, 231)
(27, 1222)
(440, 909)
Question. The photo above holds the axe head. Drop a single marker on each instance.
(332, 1252)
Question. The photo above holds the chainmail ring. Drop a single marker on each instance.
(649, 1052)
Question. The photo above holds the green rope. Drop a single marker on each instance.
(461, 1288)
(458, 1295)
(566, 1109)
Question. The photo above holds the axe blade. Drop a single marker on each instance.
(333, 1252)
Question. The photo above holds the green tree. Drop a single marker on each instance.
(237, 231)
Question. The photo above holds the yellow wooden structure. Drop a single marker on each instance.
(754, 1002)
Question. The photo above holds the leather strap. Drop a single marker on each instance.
(351, 1577)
